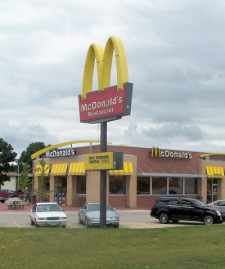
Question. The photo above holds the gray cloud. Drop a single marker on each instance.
(174, 51)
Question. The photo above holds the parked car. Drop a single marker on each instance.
(10, 192)
(181, 208)
(47, 214)
(89, 214)
(23, 194)
(3, 196)
(218, 203)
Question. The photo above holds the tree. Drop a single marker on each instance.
(40, 191)
(7, 156)
(24, 181)
(32, 148)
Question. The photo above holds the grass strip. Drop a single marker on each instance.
(177, 247)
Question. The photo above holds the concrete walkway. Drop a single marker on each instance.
(4, 207)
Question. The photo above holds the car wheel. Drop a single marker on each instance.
(63, 226)
(31, 221)
(163, 218)
(2, 201)
(86, 223)
(80, 221)
(36, 225)
(116, 226)
(208, 220)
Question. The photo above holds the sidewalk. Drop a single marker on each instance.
(27, 208)
(4, 207)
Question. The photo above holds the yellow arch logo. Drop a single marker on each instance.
(59, 145)
(155, 152)
(104, 65)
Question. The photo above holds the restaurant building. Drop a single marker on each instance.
(147, 173)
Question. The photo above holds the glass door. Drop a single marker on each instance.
(212, 190)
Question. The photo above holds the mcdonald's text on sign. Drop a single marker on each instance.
(156, 152)
(108, 102)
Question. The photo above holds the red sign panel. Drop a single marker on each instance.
(107, 105)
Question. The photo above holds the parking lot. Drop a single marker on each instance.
(131, 219)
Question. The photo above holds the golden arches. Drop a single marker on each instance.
(40, 152)
(104, 65)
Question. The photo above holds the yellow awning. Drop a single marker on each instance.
(38, 169)
(59, 169)
(127, 170)
(77, 169)
(215, 172)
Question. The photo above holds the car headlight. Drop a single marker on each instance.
(63, 218)
(218, 213)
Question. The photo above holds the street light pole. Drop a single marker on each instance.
(18, 172)
(0, 165)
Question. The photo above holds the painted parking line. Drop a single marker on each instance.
(16, 224)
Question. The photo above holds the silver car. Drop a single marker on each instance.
(47, 214)
(89, 214)
(218, 203)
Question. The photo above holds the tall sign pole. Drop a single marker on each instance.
(103, 177)
(108, 103)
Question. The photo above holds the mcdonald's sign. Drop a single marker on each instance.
(155, 152)
(107, 103)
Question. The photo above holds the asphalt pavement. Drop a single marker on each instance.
(131, 218)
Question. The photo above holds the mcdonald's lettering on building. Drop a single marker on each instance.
(156, 152)
(108, 102)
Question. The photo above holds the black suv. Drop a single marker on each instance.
(181, 208)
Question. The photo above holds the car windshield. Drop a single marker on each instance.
(47, 208)
(96, 207)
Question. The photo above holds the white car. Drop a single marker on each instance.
(47, 214)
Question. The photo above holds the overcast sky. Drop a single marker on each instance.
(175, 51)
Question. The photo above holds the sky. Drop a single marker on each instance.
(175, 54)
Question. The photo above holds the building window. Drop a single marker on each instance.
(47, 184)
(117, 185)
(61, 184)
(159, 185)
(81, 185)
(191, 185)
(175, 185)
(143, 185)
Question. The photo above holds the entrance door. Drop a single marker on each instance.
(212, 190)
(215, 192)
